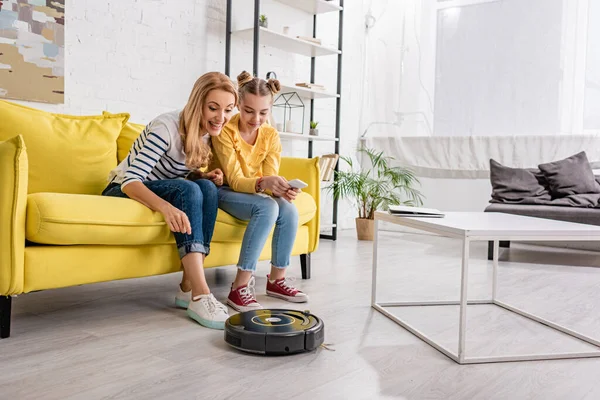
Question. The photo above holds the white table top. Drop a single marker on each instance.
(493, 225)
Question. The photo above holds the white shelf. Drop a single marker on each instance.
(287, 43)
(312, 6)
(299, 136)
(308, 93)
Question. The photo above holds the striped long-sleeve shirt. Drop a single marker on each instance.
(156, 154)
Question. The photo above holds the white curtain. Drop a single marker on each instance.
(482, 68)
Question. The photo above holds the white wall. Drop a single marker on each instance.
(137, 56)
(143, 56)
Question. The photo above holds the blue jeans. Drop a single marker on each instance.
(197, 199)
(263, 212)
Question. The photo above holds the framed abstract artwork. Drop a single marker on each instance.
(32, 50)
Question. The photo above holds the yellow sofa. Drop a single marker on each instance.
(57, 231)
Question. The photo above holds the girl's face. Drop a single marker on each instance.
(254, 110)
(217, 110)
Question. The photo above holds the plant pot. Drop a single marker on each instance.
(313, 132)
(264, 24)
(364, 228)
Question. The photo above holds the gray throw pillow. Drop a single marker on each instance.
(516, 185)
(573, 175)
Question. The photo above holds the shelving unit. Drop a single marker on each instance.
(298, 136)
(284, 42)
(267, 37)
(308, 93)
(313, 6)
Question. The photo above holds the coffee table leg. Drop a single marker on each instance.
(495, 270)
(464, 281)
(374, 276)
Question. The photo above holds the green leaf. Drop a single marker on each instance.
(375, 185)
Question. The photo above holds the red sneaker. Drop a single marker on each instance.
(282, 289)
(242, 299)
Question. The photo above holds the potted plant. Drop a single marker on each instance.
(313, 128)
(374, 186)
(263, 21)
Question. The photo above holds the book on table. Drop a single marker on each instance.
(409, 211)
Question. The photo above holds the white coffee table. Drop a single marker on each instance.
(480, 226)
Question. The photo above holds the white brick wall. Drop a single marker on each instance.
(143, 56)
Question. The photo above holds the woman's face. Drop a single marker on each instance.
(254, 110)
(217, 110)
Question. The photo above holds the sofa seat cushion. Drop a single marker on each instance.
(71, 219)
(590, 216)
(66, 219)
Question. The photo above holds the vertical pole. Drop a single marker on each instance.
(228, 39)
(256, 37)
(495, 270)
(464, 282)
(312, 80)
(338, 109)
(374, 276)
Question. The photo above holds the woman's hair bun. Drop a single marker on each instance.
(274, 85)
(243, 78)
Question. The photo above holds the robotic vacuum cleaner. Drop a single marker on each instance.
(274, 332)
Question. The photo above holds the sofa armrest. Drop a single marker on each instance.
(307, 170)
(13, 203)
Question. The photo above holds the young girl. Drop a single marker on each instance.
(171, 146)
(249, 152)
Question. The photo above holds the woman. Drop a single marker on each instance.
(170, 147)
(248, 151)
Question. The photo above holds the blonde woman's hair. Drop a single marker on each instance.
(247, 84)
(192, 126)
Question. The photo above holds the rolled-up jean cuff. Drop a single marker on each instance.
(194, 247)
(278, 267)
(247, 267)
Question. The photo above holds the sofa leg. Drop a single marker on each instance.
(5, 309)
(305, 264)
(503, 244)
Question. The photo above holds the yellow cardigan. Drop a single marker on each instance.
(242, 164)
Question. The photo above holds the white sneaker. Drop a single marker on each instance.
(208, 312)
(182, 299)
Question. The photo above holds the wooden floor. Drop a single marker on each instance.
(125, 340)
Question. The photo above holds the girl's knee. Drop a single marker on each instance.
(288, 211)
(267, 207)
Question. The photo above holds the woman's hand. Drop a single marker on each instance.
(176, 219)
(215, 176)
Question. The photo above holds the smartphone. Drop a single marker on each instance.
(297, 184)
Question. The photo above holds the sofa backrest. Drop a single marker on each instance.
(66, 153)
(128, 134)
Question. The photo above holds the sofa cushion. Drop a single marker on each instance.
(67, 154)
(68, 219)
(572, 175)
(588, 216)
(128, 134)
(516, 185)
